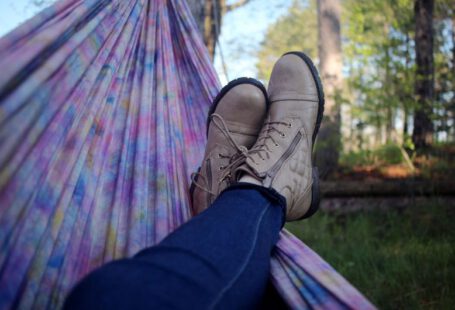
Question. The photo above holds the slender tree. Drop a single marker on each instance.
(330, 65)
(208, 15)
(453, 75)
(422, 135)
(197, 7)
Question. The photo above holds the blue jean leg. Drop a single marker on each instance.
(220, 259)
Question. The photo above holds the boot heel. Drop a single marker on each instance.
(192, 186)
(315, 194)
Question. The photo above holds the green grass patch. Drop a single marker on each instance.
(388, 154)
(399, 259)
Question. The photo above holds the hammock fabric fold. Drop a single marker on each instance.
(102, 120)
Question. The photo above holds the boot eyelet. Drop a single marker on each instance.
(277, 145)
(221, 168)
(289, 125)
(219, 155)
(283, 135)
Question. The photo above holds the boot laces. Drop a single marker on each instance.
(262, 148)
(234, 160)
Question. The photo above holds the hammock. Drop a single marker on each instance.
(102, 120)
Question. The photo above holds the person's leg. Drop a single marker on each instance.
(219, 259)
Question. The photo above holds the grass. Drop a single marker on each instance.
(388, 162)
(399, 259)
(384, 155)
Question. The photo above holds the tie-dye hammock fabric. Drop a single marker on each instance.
(102, 120)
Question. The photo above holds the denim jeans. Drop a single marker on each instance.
(220, 259)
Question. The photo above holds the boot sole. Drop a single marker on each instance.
(315, 193)
(221, 94)
(192, 188)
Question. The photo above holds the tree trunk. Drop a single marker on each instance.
(197, 7)
(405, 122)
(422, 135)
(452, 106)
(207, 14)
(330, 65)
(404, 99)
(389, 121)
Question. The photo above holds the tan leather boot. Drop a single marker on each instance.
(233, 125)
(281, 157)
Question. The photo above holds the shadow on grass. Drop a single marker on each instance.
(399, 259)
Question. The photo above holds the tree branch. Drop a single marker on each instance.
(236, 5)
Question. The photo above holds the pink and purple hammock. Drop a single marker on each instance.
(102, 120)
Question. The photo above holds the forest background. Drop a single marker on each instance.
(387, 68)
(386, 150)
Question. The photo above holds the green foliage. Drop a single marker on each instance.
(379, 54)
(400, 259)
(408, 144)
(380, 57)
(379, 64)
(388, 154)
(358, 158)
(295, 31)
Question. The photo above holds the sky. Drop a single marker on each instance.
(15, 12)
(242, 31)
